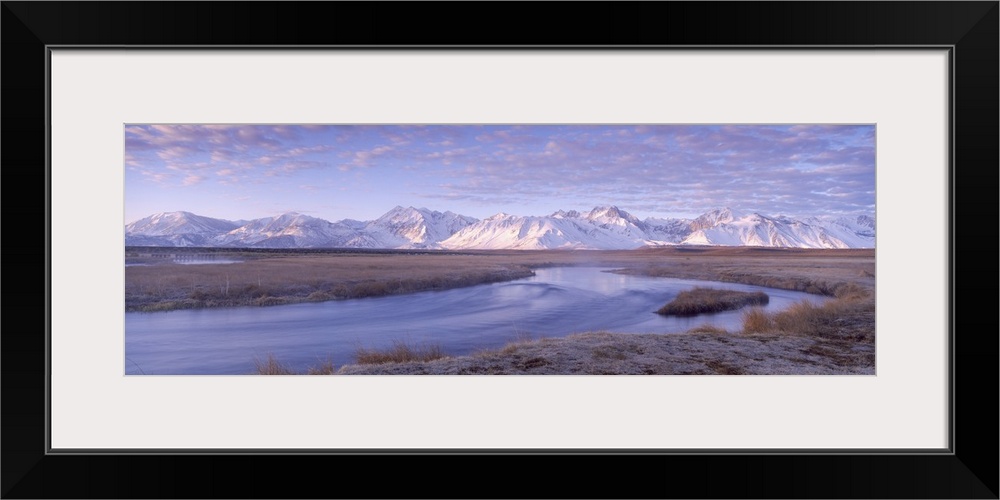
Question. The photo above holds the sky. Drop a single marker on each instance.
(360, 172)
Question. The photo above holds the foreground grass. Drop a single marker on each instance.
(711, 300)
(603, 353)
(271, 366)
(846, 319)
(399, 352)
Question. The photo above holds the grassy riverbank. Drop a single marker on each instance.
(284, 278)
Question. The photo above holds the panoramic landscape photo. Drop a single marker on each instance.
(499, 249)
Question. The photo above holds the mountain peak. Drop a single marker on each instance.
(608, 209)
(178, 214)
(724, 212)
(611, 214)
(565, 214)
(715, 217)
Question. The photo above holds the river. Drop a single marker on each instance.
(553, 303)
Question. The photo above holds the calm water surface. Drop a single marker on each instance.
(554, 303)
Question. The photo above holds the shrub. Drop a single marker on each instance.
(755, 320)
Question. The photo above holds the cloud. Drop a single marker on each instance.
(292, 166)
(176, 152)
(180, 141)
(827, 167)
(157, 177)
(743, 164)
(192, 179)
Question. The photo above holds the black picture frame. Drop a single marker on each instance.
(968, 470)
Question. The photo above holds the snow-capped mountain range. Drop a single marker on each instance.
(603, 228)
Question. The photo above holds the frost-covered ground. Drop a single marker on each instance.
(650, 354)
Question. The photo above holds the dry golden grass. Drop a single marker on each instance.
(706, 328)
(802, 317)
(324, 368)
(851, 291)
(710, 300)
(755, 320)
(271, 366)
(399, 352)
(849, 319)
(286, 279)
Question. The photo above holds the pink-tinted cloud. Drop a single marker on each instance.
(192, 179)
(675, 168)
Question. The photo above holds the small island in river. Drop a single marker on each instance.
(703, 300)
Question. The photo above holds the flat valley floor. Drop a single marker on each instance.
(837, 337)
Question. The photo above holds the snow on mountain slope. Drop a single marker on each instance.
(715, 217)
(617, 221)
(174, 223)
(415, 227)
(288, 230)
(856, 232)
(729, 228)
(503, 231)
(562, 214)
(666, 231)
(604, 228)
(179, 229)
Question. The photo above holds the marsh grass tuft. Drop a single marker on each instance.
(271, 366)
(324, 368)
(755, 320)
(841, 318)
(399, 352)
(711, 300)
(802, 317)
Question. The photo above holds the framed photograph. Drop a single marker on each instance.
(156, 124)
(329, 262)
